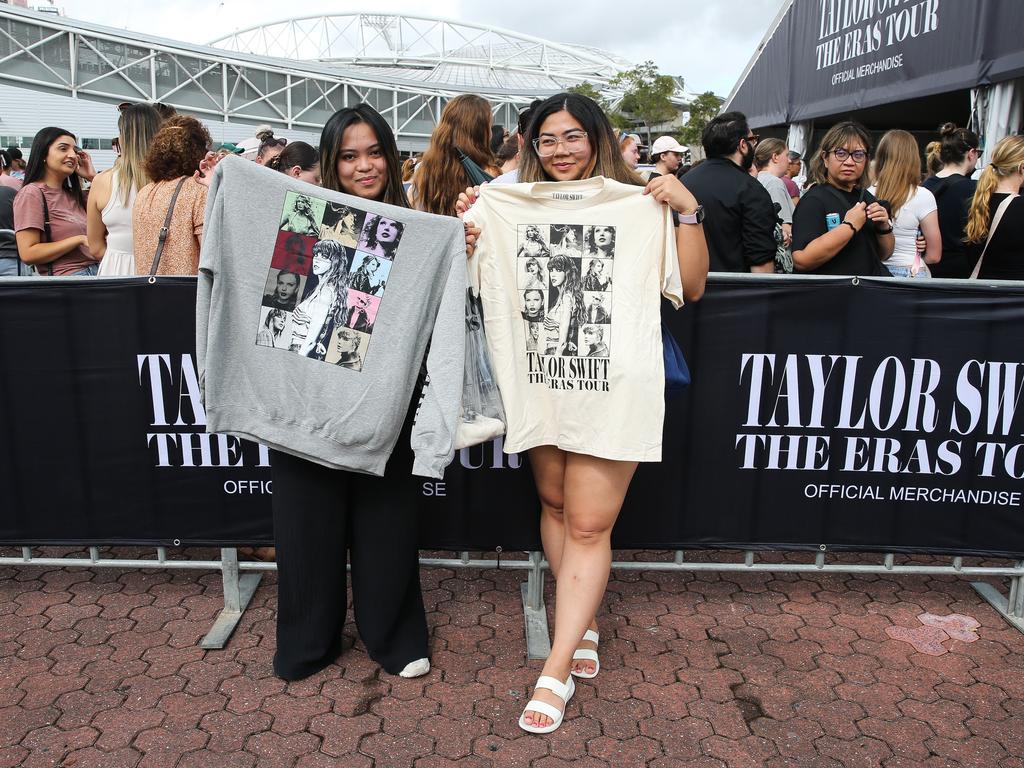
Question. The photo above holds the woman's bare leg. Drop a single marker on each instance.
(548, 465)
(594, 490)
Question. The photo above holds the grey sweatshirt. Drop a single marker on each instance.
(313, 314)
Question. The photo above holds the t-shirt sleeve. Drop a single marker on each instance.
(808, 221)
(924, 203)
(758, 226)
(435, 425)
(209, 258)
(779, 195)
(28, 209)
(671, 280)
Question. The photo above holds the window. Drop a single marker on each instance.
(90, 143)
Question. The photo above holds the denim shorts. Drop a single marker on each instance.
(905, 272)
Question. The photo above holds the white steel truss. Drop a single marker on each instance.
(87, 61)
(429, 49)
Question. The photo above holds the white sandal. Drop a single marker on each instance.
(564, 691)
(586, 654)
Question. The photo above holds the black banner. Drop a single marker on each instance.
(824, 411)
(832, 57)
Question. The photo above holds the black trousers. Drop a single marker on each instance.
(319, 515)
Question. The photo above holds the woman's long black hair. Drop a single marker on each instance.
(330, 147)
(36, 168)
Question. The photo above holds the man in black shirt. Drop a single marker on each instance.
(740, 218)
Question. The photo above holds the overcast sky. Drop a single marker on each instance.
(707, 42)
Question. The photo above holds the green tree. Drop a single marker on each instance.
(647, 95)
(588, 89)
(703, 109)
(591, 91)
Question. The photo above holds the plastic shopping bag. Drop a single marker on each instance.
(482, 416)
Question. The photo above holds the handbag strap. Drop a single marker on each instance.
(991, 231)
(47, 232)
(164, 229)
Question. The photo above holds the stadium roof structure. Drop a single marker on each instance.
(430, 51)
(296, 73)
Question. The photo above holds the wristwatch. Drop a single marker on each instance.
(692, 218)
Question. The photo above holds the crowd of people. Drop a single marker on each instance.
(58, 227)
(861, 212)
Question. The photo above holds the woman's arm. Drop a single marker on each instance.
(691, 247)
(32, 250)
(96, 231)
(932, 238)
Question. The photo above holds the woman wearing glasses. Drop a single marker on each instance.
(839, 228)
(570, 139)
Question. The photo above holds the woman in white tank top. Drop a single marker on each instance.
(113, 193)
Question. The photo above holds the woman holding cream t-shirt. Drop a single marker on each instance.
(582, 469)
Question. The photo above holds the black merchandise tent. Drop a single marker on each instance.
(912, 64)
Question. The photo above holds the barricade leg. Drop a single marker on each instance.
(1010, 607)
(538, 642)
(238, 591)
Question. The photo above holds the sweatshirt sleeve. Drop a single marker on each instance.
(209, 258)
(433, 432)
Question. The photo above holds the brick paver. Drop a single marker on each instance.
(101, 669)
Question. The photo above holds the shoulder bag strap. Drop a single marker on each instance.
(991, 231)
(47, 233)
(163, 230)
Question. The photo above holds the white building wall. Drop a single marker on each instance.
(23, 112)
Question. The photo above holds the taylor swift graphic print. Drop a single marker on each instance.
(564, 277)
(326, 279)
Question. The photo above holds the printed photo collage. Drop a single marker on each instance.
(564, 278)
(327, 276)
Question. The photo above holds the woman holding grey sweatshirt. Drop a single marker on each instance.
(323, 514)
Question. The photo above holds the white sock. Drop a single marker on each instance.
(416, 668)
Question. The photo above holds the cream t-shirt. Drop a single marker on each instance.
(570, 275)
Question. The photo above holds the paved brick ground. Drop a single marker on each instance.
(101, 669)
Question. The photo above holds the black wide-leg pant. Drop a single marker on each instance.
(319, 515)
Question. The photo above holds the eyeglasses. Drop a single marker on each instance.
(842, 155)
(752, 139)
(574, 143)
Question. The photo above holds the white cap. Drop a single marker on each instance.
(250, 147)
(666, 144)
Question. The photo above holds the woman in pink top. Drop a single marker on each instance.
(56, 167)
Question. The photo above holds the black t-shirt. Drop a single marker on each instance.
(953, 195)
(860, 255)
(740, 216)
(1004, 259)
